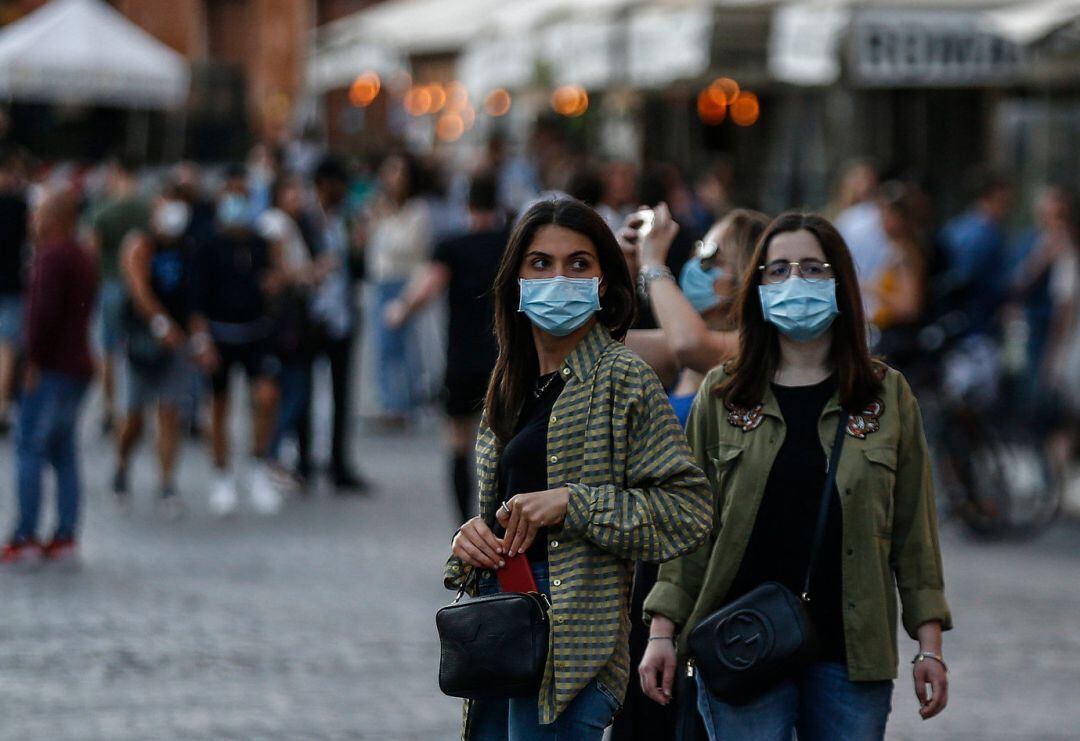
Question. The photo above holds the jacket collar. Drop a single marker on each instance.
(771, 407)
(584, 358)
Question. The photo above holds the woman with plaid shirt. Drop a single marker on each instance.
(581, 464)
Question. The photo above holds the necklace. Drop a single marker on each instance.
(540, 389)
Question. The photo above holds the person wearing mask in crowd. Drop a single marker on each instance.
(123, 211)
(284, 227)
(399, 242)
(697, 333)
(761, 427)
(338, 265)
(157, 267)
(696, 325)
(973, 244)
(715, 188)
(582, 465)
(465, 268)
(60, 300)
(236, 273)
(13, 228)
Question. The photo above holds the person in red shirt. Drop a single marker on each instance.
(60, 300)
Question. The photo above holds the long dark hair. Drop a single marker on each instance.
(518, 365)
(858, 376)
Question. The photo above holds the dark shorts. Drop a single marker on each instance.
(256, 359)
(464, 392)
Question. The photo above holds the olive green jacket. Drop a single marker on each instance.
(890, 541)
(635, 494)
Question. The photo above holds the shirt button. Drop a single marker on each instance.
(554, 418)
(851, 605)
(554, 544)
(851, 551)
(556, 583)
(554, 459)
(566, 371)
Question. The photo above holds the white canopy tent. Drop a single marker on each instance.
(84, 51)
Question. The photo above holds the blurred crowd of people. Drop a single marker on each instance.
(180, 279)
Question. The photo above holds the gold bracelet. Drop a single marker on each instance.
(924, 655)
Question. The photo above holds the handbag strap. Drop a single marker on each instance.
(826, 498)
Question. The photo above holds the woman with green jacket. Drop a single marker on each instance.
(762, 428)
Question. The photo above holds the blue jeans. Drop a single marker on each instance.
(48, 417)
(398, 361)
(517, 719)
(819, 704)
(295, 390)
(111, 315)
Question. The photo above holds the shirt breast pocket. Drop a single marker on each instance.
(880, 481)
(723, 461)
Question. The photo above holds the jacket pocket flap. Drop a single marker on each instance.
(723, 454)
(882, 456)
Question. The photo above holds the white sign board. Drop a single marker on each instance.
(804, 43)
(667, 45)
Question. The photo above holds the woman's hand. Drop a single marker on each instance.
(931, 672)
(477, 546)
(653, 247)
(657, 668)
(528, 513)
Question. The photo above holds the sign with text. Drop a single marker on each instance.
(929, 49)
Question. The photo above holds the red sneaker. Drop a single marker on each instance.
(59, 549)
(20, 551)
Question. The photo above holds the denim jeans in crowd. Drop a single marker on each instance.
(295, 393)
(820, 704)
(398, 360)
(517, 719)
(48, 418)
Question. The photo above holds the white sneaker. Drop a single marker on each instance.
(223, 498)
(265, 497)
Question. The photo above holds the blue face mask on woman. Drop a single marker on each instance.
(698, 285)
(559, 305)
(801, 309)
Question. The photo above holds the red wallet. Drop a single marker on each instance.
(516, 576)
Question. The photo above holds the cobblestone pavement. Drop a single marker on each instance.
(318, 624)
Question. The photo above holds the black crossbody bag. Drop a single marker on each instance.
(757, 640)
(493, 647)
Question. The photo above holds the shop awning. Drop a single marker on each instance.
(1032, 21)
(83, 51)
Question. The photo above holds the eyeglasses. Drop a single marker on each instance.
(706, 253)
(778, 271)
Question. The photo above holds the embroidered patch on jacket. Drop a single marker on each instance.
(866, 422)
(747, 419)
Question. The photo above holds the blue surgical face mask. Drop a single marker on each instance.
(801, 309)
(697, 285)
(559, 306)
(234, 210)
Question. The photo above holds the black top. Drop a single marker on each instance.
(13, 225)
(473, 260)
(779, 547)
(231, 268)
(523, 463)
(170, 278)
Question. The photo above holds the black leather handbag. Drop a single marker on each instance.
(495, 646)
(757, 640)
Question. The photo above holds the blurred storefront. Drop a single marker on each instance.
(246, 72)
(786, 91)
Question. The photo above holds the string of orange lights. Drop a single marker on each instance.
(723, 98)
